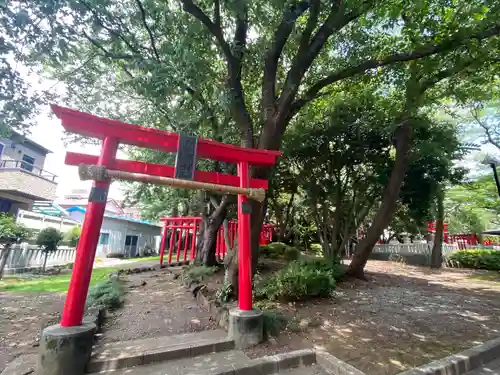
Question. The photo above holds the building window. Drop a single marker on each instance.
(104, 239)
(27, 163)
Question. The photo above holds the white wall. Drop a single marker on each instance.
(38, 221)
(24, 256)
(119, 229)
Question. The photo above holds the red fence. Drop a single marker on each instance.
(181, 234)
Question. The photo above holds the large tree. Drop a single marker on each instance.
(261, 62)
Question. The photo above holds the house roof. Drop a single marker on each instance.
(116, 217)
(49, 208)
(24, 139)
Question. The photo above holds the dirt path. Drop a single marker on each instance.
(403, 317)
(155, 305)
(22, 318)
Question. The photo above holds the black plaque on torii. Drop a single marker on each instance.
(185, 161)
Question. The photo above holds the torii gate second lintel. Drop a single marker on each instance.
(112, 133)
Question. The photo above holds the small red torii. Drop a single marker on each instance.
(112, 133)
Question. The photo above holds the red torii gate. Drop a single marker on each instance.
(112, 133)
(189, 225)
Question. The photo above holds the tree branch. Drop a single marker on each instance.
(486, 129)
(336, 20)
(274, 52)
(148, 29)
(217, 20)
(213, 28)
(419, 53)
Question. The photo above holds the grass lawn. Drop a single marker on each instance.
(49, 284)
(145, 259)
(487, 276)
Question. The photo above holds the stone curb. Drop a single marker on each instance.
(271, 364)
(335, 366)
(460, 363)
(160, 355)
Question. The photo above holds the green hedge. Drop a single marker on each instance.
(481, 259)
(300, 280)
(108, 294)
(276, 250)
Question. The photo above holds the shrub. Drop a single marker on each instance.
(481, 259)
(300, 280)
(273, 324)
(48, 239)
(10, 233)
(196, 274)
(279, 250)
(72, 236)
(108, 295)
(316, 249)
(291, 253)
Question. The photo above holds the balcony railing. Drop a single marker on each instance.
(27, 167)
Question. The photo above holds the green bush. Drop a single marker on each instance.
(300, 280)
(72, 236)
(291, 253)
(481, 259)
(49, 239)
(316, 249)
(196, 274)
(273, 323)
(108, 295)
(276, 250)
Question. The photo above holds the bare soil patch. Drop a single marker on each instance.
(22, 318)
(403, 317)
(156, 304)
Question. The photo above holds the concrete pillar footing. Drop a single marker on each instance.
(246, 327)
(65, 350)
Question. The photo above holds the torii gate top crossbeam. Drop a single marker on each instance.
(98, 127)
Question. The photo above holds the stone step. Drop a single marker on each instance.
(314, 369)
(125, 354)
(208, 364)
(232, 362)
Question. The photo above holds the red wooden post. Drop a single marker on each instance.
(179, 243)
(244, 251)
(163, 242)
(85, 253)
(193, 241)
(171, 247)
(186, 233)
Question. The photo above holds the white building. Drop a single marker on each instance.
(22, 177)
(122, 234)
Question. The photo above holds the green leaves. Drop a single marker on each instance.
(10, 231)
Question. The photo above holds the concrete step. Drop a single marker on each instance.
(314, 369)
(125, 354)
(232, 362)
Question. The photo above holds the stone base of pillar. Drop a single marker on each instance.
(65, 350)
(246, 327)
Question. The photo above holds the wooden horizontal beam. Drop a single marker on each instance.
(98, 127)
(133, 166)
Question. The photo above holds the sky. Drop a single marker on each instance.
(49, 133)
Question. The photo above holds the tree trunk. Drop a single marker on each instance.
(205, 253)
(46, 253)
(3, 258)
(389, 202)
(437, 248)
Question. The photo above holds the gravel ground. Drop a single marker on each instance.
(22, 318)
(402, 317)
(155, 305)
